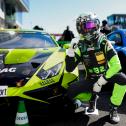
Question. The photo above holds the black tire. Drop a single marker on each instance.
(8, 110)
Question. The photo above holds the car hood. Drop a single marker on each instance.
(18, 56)
(21, 64)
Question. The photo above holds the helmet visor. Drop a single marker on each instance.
(90, 25)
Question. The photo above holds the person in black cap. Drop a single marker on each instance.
(105, 29)
(67, 34)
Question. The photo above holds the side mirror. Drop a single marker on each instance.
(66, 46)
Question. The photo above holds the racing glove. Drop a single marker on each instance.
(73, 45)
(98, 85)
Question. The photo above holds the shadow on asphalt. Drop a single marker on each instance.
(74, 120)
(101, 121)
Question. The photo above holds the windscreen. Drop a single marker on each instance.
(10, 40)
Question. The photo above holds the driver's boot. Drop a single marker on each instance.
(80, 106)
(114, 117)
(92, 104)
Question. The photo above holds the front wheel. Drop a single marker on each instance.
(8, 110)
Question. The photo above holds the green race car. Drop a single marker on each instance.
(32, 67)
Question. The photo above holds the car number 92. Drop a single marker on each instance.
(3, 91)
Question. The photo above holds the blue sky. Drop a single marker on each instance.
(55, 15)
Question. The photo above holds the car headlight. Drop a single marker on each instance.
(45, 74)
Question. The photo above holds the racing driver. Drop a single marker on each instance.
(101, 63)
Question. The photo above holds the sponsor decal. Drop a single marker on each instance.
(21, 118)
(100, 57)
(3, 91)
(5, 70)
(46, 82)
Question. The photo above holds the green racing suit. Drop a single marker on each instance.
(98, 59)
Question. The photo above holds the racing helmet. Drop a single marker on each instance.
(88, 25)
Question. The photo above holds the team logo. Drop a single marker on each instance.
(46, 82)
(6, 70)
